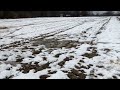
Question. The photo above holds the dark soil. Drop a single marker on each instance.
(3, 27)
(77, 67)
(54, 43)
(44, 76)
(82, 61)
(99, 32)
(45, 58)
(91, 55)
(19, 59)
(57, 55)
(84, 67)
(90, 65)
(8, 77)
(34, 52)
(75, 74)
(100, 66)
(107, 50)
(114, 77)
(27, 67)
(100, 74)
(64, 60)
(52, 72)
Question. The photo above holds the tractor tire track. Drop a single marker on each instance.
(44, 35)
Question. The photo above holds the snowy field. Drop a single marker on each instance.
(60, 48)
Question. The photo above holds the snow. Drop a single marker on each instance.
(58, 75)
(113, 35)
(97, 36)
(29, 75)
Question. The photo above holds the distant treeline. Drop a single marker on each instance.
(30, 14)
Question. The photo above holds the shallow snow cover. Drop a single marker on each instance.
(60, 48)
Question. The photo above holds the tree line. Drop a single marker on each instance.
(30, 14)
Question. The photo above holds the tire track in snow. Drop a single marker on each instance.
(50, 34)
(107, 44)
(68, 27)
(33, 23)
(58, 31)
(90, 34)
(53, 27)
(61, 30)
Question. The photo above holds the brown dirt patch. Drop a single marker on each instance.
(54, 43)
(27, 67)
(44, 76)
(75, 74)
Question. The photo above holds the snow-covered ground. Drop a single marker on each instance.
(60, 48)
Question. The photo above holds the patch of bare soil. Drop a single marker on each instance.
(14, 44)
(44, 76)
(114, 77)
(107, 50)
(34, 52)
(54, 43)
(51, 72)
(100, 74)
(57, 55)
(64, 60)
(19, 58)
(27, 67)
(75, 74)
(9, 77)
(3, 27)
(99, 32)
(92, 54)
(100, 66)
